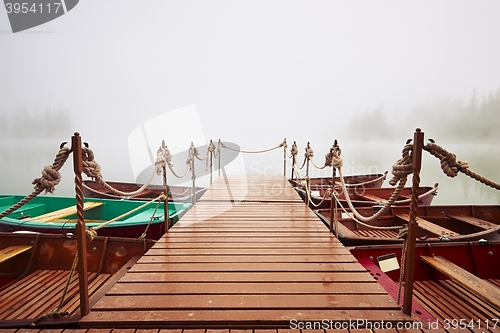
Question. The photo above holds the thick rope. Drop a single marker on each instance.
(93, 170)
(253, 152)
(50, 178)
(325, 195)
(403, 234)
(400, 172)
(451, 167)
(293, 153)
(56, 313)
(308, 155)
(143, 235)
(161, 197)
(190, 160)
(210, 150)
(352, 217)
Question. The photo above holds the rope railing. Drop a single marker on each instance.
(253, 152)
(451, 167)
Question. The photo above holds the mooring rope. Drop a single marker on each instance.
(351, 216)
(451, 167)
(93, 170)
(92, 231)
(403, 234)
(400, 172)
(50, 178)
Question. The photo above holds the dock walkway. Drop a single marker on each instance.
(249, 254)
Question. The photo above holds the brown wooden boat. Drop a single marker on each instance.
(369, 197)
(436, 224)
(456, 285)
(94, 189)
(34, 269)
(358, 181)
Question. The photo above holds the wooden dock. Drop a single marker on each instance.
(250, 254)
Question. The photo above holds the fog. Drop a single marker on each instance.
(366, 73)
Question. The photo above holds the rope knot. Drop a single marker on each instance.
(90, 234)
(90, 167)
(283, 144)
(403, 167)
(163, 157)
(294, 150)
(333, 157)
(50, 173)
(50, 178)
(309, 152)
(403, 232)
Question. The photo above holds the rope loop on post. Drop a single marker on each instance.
(403, 167)
(190, 160)
(293, 152)
(90, 167)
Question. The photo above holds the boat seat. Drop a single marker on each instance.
(429, 226)
(55, 215)
(482, 288)
(12, 251)
(474, 221)
(372, 197)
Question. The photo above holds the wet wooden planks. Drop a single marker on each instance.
(292, 330)
(250, 254)
(25, 299)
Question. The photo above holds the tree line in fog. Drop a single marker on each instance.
(442, 117)
(23, 123)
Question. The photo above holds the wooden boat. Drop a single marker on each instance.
(436, 224)
(94, 189)
(368, 197)
(34, 269)
(358, 181)
(57, 215)
(454, 283)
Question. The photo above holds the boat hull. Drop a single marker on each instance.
(358, 181)
(30, 217)
(436, 224)
(94, 189)
(369, 197)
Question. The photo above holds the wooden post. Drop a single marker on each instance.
(76, 148)
(308, 184)
(284, 157)
(193, 178)
(333, 204)
(218, 148)
(211, 153)
(165, 185)
(418, 143)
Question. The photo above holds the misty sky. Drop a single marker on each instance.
(257, 71)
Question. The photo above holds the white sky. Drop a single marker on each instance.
(257, 71)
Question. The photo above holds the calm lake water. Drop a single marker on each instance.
(23, 161)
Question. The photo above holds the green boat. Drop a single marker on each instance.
(57, 215)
